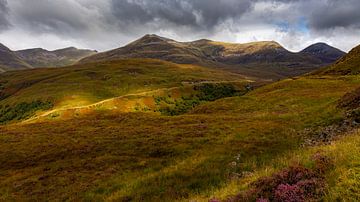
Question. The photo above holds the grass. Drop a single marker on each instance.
(86, 84)
(111, 156)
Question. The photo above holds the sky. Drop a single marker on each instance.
(106, 24)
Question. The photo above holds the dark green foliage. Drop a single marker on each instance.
(212, 92)
(181, 107)
(22, 110)
(203, 93)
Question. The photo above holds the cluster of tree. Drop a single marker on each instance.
(22, 110)
(203, 93)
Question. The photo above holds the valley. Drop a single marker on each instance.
(144, 128)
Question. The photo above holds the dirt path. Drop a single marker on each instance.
(99, 103)
(120, 97)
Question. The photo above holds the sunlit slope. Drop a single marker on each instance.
(107, 156)
(85, 84)
(347, 65)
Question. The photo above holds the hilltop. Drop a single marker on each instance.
(324, 52)
(10, 60)
(266, 59)
(39, 57)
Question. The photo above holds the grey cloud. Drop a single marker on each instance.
(192, 13)
(110, 23)
(336, 13)
(4, 10)
(65, 17)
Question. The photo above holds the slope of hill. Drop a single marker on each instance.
(43, 58)
(215, 151)
(86, 84)
(263, 59)
(327, 54)
(347, 65)
(10, 61)
(152, 46)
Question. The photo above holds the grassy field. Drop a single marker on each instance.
(213, 151)
(80, 85)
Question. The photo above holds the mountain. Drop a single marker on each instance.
(39, 57)
(285, 140)
(266, 59)
(156, 47)
(347, 65)
(324, 52)
(10, 60)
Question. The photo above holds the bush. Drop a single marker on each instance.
(295, 183)
(212, 92)
(22, 110)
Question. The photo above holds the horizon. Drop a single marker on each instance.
(109, 24)
(31, 48)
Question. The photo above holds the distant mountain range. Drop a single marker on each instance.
(10, 60)
(43, 58)
(36, 58)
(267, 59)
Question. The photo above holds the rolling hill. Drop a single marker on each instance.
(36, 58)
(347, 65)
(43, 58)
(262, 59)
(87, 84)
(218, 150)
(151, 130)
(10, 60)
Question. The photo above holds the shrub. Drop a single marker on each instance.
(22, 110)
(295, 183)
(289, 193)
(212, 92)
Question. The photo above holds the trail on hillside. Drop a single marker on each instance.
(97, 104)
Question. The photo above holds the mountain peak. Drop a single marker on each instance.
(324, 52)
(4, 48)
(148, 38)
(321, 48)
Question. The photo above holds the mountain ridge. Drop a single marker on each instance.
(39, 57)
(254, 58)
(10, 60)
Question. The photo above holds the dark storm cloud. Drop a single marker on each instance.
(108, 23)
(335, 13)
(65, 17)
(191, 13)
(4, 10)
(79, 16)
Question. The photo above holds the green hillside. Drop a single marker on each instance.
(149, 130)
(80, 85)
(347, 65)
(215, 151)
